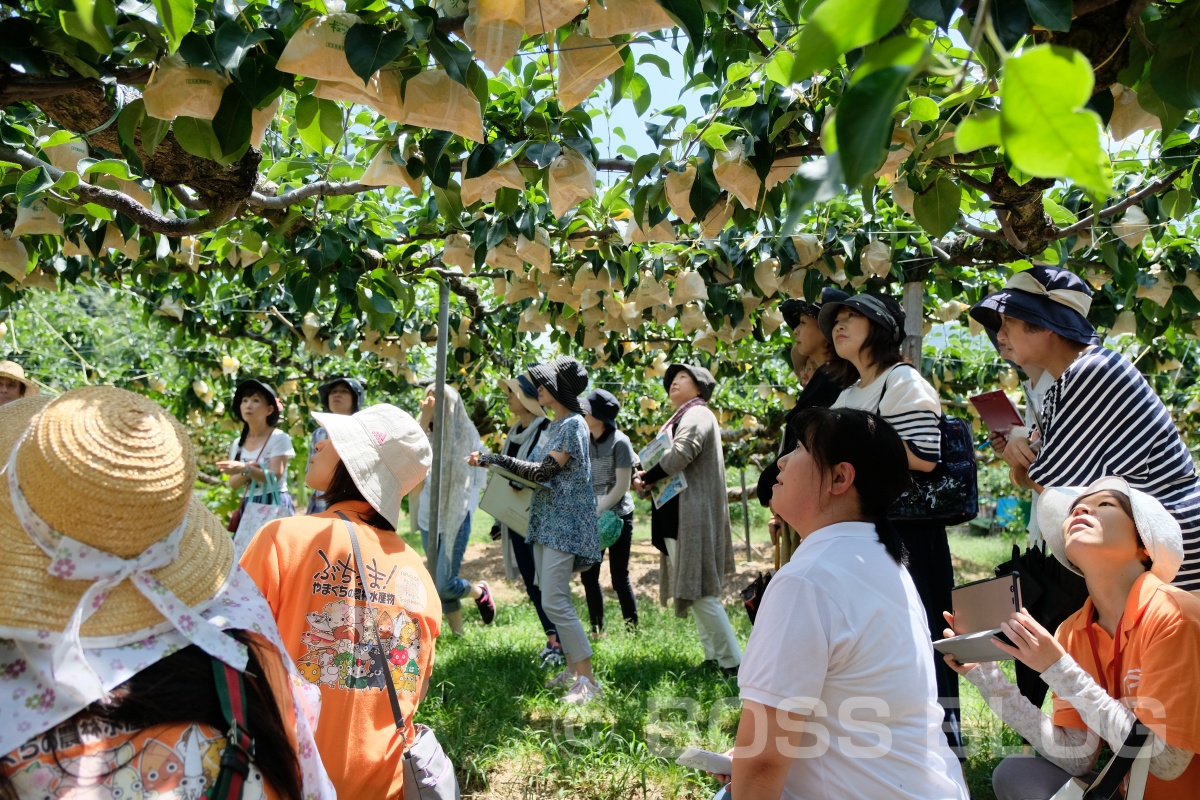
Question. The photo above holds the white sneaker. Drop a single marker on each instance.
(582, 691)
(562, 680)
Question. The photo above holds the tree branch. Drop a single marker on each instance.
(148, 220)
(1154, 187)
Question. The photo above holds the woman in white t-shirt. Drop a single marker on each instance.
(262, 447)
(837, 684)
(866, 331)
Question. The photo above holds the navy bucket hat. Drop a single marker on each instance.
(1052, 297)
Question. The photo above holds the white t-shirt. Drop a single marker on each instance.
(841, 637)
(910, 405)
(278, 444)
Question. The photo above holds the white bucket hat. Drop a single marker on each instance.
(1159, 531)
(385, 451)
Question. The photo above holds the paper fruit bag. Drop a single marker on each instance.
(716, 219)
(735, 175)
(583, 64)
(131, 248)
(792, 284)
(766, 275)
(689, 286)
(484, 187)
(384, 171)
(14, 258)
(71, 249)
(782, 169)
(36, 219)
(533, 321)
(260, 120)
(549, 15)
(178, 90)
(808, 248)
(66, 156)
(692, 319)
(459, 253)
(318, 49)
(572, 179)
(616, 17)
(494, 29)
(536, 252)
(354, 92)
(504, 256)
(432, 99)
(678, 188)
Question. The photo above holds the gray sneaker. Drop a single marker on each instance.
(562, 680)
(583, 691)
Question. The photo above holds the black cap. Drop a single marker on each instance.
(564, 378)
(250, 386)
(880, 309)
(794, 309)
(703, 378)
(356, 388)
(602, 405)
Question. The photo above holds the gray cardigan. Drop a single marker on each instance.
(704, 543)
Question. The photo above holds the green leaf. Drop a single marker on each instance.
(1047, 133)
(705, 190)
(231, 43)
(454, 58)
(714, 135)
(153, 132)
(779, 68)
(690, 15)
(196, 49)
(128, 121)
(642, 167)
(936, 209)
(939, 11)
(1010, 19)
(304, 292)
(838, 26)
(864, 121)
(484, 158)
(978, 131)
(922, 109)
(542, 153)
(319, 122)
(110, 166)
(90, 22)
(369, 48)
(177, 18)
(233, 122)
(1053, 15)
(664, 66)
(31, 184)
(639, 92)
(197, 137)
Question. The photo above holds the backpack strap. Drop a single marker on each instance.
(239, 745)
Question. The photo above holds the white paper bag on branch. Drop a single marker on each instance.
(549, 15)
(692, 319)
(520, 288)
(678, 188)
(772, 318)
(877, 258)
(735, 175)
(533, 321)
(354, 92)
(716, 219)
(260, 120)
(537, 252)
(384, 171)
(560, 291)
(499, 286)
(808, 248)
(484, 187)
(432, 99)
(318, 49)
(706, 340)
(583, 64)
(14, 258)
(593, 338)
(792, 284)
(567, 324)
(616, 17)
(37, 219)
(664, 231)
(572, 179)
(131, 248)
(766, 275)
(904, 196)
(689, 286)
(504, 256)
(177, 90)
(593, 317)
(650, 292)
(66, 156)
(1133, 227)
(70, 249)
(459, 253)
(1128, 116)
(494, 29)
(781, 170)
(189, 253)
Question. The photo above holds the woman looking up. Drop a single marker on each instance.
(1128, 655)
(840, 649)
(866, 331)
(562, 517)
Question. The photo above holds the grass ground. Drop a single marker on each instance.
(511, 738)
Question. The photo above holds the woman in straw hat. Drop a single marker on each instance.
(134, 650)
(1100, 417)
(13, 383)
(519, 443)
(1129, 655)
(562, 518)
(355, 605)
(343, 396)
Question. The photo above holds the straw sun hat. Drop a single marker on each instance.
(103, 468)
(11, 369)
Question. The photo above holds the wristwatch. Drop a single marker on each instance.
(246, 472)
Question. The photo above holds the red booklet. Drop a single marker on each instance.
(997, 412)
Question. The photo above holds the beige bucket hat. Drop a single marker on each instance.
(385, 451)
(11, 369)
(513, 385)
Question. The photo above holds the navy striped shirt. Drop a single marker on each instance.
(906, 400)
(1102, 418)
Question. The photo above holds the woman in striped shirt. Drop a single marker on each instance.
(866, 331)
(1100, 417)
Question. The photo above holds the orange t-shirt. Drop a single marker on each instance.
(95, 758)
(1157, 653)
(305, 568)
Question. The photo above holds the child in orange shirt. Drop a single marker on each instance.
(1129, 655)
(345, 636)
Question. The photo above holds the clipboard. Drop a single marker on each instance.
(508, 497)
(979, 608)
(997, 412)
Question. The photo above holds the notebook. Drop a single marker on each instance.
(978, 609)
(997, 412)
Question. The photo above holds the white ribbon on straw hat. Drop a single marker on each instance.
(1024, 282)
(75, 560)
(1158, 529)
